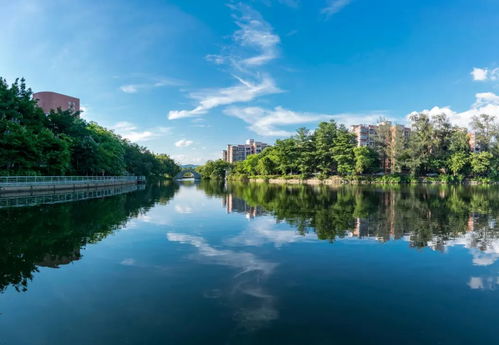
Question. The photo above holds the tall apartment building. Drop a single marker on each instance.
(235, 153)
(474, 144)
(48, 101)
(365, 135)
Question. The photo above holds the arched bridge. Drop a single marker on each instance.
(188, 171)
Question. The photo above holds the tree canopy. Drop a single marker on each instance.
(61, 143)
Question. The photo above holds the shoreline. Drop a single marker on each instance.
(336, 180)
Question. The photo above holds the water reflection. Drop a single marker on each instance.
(254, 305)
(433, 217)
(438, 218)
(53, 235)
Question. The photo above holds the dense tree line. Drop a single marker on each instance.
(61, 143)
(434, 147)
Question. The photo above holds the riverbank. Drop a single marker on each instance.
(387, 179)
(31, 184)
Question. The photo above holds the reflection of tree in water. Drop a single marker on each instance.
(53, 235)
(426, 215)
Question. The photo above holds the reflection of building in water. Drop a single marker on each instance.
(233, 204)
(55, 261)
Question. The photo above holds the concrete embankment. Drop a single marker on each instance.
(34, 187)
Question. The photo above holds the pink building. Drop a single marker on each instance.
(52, 101)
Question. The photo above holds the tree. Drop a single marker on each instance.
(214, 169)
(343, 151)
(287, 156)
(458, 162)
(61, 143)
(420, 144)
(486, 131)
(481, 163)
(324, 137)
(365, 159)
(305, 151)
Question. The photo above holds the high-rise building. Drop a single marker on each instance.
(48, 101)
(474, 144)
(235, 153)
(365, 135)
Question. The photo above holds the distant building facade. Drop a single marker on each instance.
(365, 135)
(474, 144)
(48, 101)
(236, 153)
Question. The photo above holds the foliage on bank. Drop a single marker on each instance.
(61, 143)
(435, 151)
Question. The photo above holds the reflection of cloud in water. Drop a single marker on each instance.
(183, 209)
(485, 250)
(263, 230)
(128, 262)
(483, 283)
(257, 306)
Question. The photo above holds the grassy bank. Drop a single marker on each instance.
(364, 179)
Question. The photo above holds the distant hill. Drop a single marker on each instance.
(189, 166)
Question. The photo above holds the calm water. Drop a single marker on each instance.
(208, 264)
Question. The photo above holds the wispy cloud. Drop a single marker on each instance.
(485, 74)
(131, 132)
(485, 103)
(183, 143)
(334, 6)
(136, 87)
(267, 121)
(254, 34)
(244, 92)
(290, 3)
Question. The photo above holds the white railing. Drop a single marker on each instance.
(59, 180)
(61, 197)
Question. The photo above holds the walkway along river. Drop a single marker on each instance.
(9, 184)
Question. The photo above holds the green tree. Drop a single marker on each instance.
(324, 137)
(343, 152)
(420, 144)
(458, 162)
(486, 131)
(481, 163)
(365, 159)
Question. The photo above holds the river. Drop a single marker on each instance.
(208, 263)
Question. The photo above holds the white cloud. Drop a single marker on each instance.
(192, 159)
(266, 121)
(244, 92)
(130, 131)
(183, 143)
(485, 103)
(484, 74)
(334, 6)
(129, 88)
(254, 34)
(159, 82)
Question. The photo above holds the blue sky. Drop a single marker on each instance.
(188, 77)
